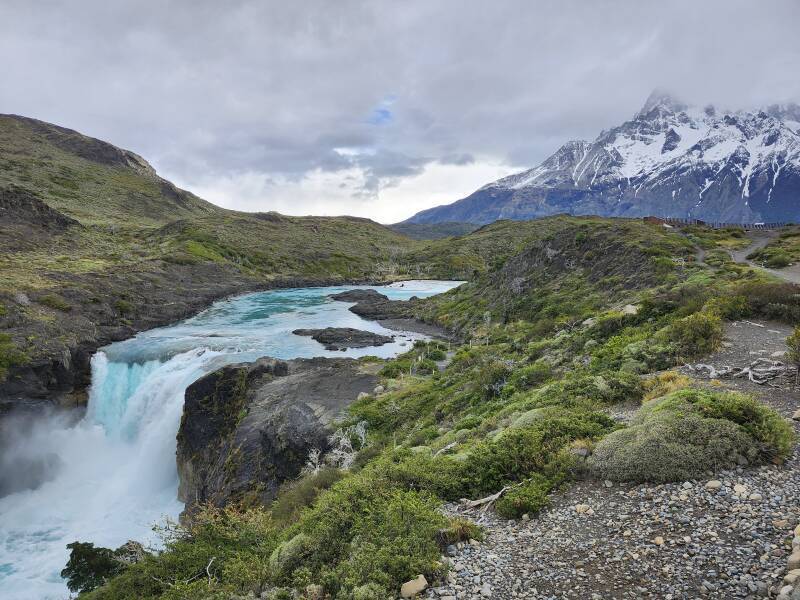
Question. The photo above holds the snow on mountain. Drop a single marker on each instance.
(669, 160)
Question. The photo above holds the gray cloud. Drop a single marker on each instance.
(210, 89)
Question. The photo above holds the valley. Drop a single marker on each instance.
(325, 408)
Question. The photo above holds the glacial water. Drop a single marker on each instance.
(112, 475)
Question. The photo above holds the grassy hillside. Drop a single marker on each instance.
(88, 179)
(94, 245)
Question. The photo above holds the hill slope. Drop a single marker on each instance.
(669, 160)
(94, 246)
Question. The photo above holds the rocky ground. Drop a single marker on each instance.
(729, 535)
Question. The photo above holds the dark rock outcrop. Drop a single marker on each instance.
(247, 428)
(359, 296)
(374, 306)
(341, 338)
(399, 315)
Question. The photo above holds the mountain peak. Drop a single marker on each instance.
(669, 160)
(662, 100)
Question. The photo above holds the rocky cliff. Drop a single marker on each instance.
(247, 428)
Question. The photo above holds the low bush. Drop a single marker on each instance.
(300, 494)
(772, 434)
(669, 447)
(239, 542)
(778, 260)
(460, 530)
(123, 307)
(521, 453)
(695, 335)
(527, 377)
(779, 301)
(528, 498)
(55, 301)
(588, 390)
(689, 432)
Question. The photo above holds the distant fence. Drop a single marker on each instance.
(713, 225)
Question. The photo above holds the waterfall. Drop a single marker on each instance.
(109, 477)
(116, 472)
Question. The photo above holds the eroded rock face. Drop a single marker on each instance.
(340, 338)
(247, 428)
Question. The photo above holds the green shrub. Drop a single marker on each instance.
(370, 591)
(299, 494)
(771, 300)
(589, 391)
(520, 453)
(424, 367)
(772, 434)
(689, 432)
(731, 307)
(793, 351)
(123, 307)
(527, 377)
(289, 555)
(437, 354)
(491, 377)
(528, 498)
(460, 530)
(55, 301)
(669, 447)
(238, 541)
(695, 335)
(778, 260)
(395, 541)
(89, 567)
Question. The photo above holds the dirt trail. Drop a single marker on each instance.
(760, 239)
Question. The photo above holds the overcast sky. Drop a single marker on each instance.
(377, 109)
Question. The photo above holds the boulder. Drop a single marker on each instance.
(341, 338)
(630, 309)
(416, 586)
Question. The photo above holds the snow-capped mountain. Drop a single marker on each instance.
(669, 160)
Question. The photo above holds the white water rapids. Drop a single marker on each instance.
(112, 475)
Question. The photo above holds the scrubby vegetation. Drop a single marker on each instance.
(10, 355)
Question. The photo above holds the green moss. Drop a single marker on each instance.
(10, 355)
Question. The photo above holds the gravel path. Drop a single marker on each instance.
(761, 239)
(729, 535)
